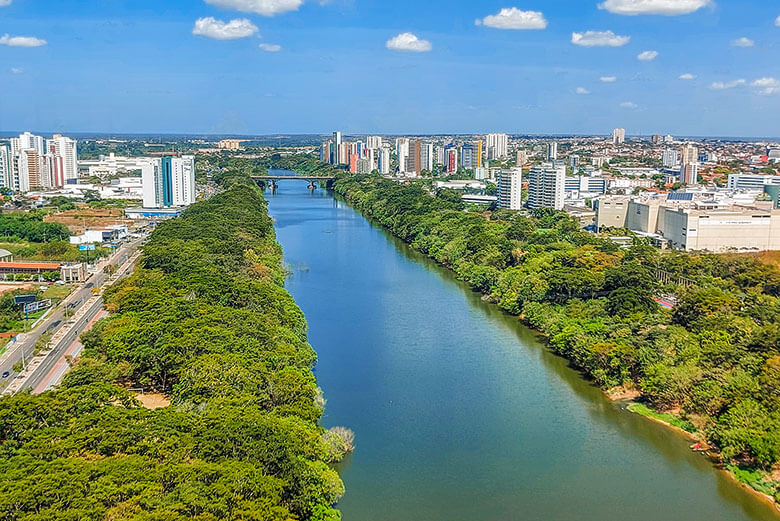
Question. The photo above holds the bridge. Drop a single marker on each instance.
(272, 181)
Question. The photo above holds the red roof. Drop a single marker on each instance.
(31, 265)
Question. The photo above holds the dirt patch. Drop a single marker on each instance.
(623, 393)
(80, 219)
(5, 288)
(153, 401)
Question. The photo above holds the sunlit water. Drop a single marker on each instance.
(460, 413)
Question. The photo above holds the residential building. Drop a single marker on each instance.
(450, 159)
(229, 144)
(689, 154)
(469, 156)
(383, 161)
(618, 136)
(374, 142)
(547, 186)
(510, 189)
(338, 156)
(522, 158)
(427, 156)
(65, 152)
(5, 166)
(402, 153)
(689, 174)
(169, 181)
(552, 151)
(497, 146)
(671, 158)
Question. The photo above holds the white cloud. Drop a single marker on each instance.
(514, 18)
(767, 86)
(777, 22)
(647, 56)
(721, 85)
(210, 27)
(267, 47)
(582, 91)
(743, 42)
(608, 79)
(599, 39)
(662, 7)
(629, 105)
(16, 70)
(687, 76)
(4, 3)
(408, 42)
(21, 41)
(262, 7)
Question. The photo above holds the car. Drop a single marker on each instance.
(6, 374)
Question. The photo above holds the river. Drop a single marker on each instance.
(459, 411)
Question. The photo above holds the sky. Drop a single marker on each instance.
(684, 67)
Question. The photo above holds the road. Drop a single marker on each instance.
(25, 344)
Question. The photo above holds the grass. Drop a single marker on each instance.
(753, 478)
(56, 292)
(665, 417)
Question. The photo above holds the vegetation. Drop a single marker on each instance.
(665, 417)
(713, 364)
(29, 226)
(205, 320)
(61, 251)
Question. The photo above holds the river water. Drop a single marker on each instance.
(460, 413)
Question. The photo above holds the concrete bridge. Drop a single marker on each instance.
(272, 181)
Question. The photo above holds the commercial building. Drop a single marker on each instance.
(752, 181)
(169, 181)
(547, 186)
(510, 189)
(586, 184)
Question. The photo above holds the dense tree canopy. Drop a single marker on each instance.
(205, 320)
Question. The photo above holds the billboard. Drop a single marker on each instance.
(24, 299)
(32, 307)
(87, 247)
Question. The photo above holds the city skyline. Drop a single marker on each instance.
(696, 68)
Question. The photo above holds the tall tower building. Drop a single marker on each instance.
(468, 156)
(28, 141)
(427, 157)
(169, 181)
(547, 186)
(5, 166)
(451, 159)
(619, 136)
(402, 153)
(690, 154)
(338, 157)
(497, 146)
(66, 150)
(689, 174)
(552, 151)
(522, 158)
(36, 169)
(414, 162)
(510, 189)
(671, 158)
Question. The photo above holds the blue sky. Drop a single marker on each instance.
(135, 66)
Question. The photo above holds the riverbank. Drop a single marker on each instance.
(543, 267)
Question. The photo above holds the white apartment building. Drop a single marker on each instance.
(510, 189)
(374, 142)
(66, 151)
(168, 182)
(552, 151)
(671, 159)
(547, 186)
(497, 146)
(402, 152)
(5, 166)
(618, 136)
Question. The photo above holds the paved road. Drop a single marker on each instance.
(25, 344)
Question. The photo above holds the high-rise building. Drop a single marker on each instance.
(383, 161)
(689, 154)
(36, 168)
(497, 146)
(574, 161)
(169, 181)
(414, 160)
(480, 153)
(402, 153)
(657, 139)
(338, 157)
(671, 158)
(20, 175)
(427, 157)
(547, 186)
(65, 149)
(325, 152)
(522, 158)
(468, 156)
(619, 136)
(5, 166)
(374, 142)
(552, 151)
(510, 189)
(689, 174)
(28, 141)
(450, 159)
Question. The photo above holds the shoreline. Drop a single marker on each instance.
(632, 395)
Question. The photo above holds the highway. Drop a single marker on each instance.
(25, 343)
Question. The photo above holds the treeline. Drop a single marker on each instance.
(714, 361)
(204, 320)
(30, 227)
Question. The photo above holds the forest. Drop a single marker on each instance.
(712, 364)
(205, 321)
